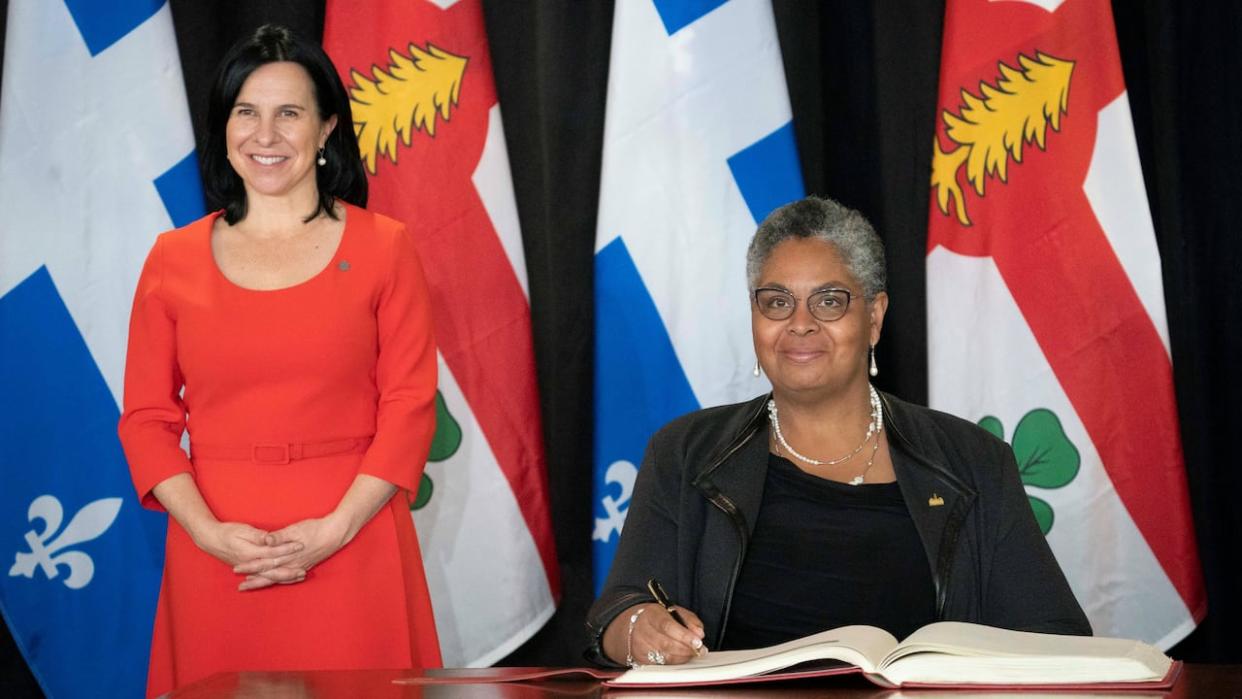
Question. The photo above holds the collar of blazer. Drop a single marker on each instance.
(937, 498)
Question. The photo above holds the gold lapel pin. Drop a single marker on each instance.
(935, 501)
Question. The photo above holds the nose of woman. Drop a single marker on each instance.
(802, 323)
(265, 133)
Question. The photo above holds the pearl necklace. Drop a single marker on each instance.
(874, 428)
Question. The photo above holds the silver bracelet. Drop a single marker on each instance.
(629, 638)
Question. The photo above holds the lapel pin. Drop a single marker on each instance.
(935, 501)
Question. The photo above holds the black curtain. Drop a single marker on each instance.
(862, 82)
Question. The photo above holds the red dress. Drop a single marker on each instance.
(346, 355)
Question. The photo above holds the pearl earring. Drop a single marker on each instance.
(873, 370)
(322, 160)
(756, 371)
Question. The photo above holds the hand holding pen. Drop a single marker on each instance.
(694, 626)
(654, 634)
(661, 598)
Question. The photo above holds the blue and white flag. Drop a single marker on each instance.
(698, 148)
(96, 158)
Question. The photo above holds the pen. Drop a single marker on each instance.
(661, 597)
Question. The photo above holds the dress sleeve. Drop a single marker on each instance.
(405, 373)
(154, 414)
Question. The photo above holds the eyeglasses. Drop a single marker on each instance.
(825, 305)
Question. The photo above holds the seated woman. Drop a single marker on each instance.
(825, 503)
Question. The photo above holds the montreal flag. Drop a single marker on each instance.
(1045, 306)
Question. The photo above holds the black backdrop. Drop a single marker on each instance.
(862, 81)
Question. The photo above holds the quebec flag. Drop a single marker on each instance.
(698, 148)
(96, 158)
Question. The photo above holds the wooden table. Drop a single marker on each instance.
(1196, 681)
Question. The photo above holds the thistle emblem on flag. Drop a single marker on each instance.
(1046, 456)
(46, 548)
(403, 99)
(992, 128)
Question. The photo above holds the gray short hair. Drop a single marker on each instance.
(822, 219)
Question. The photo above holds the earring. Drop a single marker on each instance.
(756, 371)
(874, 370)
(322, 160)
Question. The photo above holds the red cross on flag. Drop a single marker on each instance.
(424, 104)
(1045, 304)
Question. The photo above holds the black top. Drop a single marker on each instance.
(827, 554)
(700, 487)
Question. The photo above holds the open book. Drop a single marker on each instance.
(944, 654)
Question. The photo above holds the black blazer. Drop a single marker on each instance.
(701, 483)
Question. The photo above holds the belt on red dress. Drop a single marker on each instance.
(279, 452)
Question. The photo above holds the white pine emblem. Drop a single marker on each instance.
(45, 552)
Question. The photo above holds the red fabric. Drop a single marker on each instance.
(430, 186)
(1035, 222)
(348, 353)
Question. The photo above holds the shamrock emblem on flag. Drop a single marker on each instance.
(1046, 457)
(444, 444)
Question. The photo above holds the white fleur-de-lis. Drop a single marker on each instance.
(623, 474)
(87, 524)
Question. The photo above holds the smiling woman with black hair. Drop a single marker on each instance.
(289, 333)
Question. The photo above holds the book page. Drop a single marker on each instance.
(960, 652)
(863, 646)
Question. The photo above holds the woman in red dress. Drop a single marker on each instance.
(290, 334)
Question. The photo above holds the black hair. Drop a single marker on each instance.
(343, 177)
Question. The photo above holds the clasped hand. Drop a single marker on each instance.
(283, 556)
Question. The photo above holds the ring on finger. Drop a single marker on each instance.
(655, 657)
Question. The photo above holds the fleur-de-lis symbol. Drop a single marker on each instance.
(87, 524)
(623, 474)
